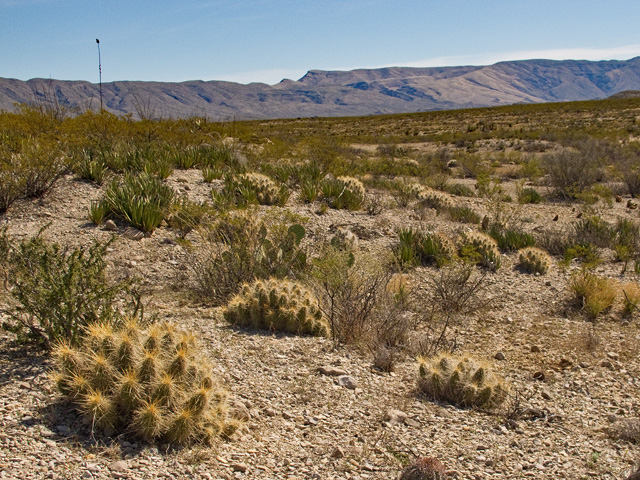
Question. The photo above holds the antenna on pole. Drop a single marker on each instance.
(100, 72)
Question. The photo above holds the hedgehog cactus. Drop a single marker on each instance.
(424, 468)
(481, 249)
(433, 198)
(461, 380)
(345, 239)
(534, 260)
(277, 304)
(153, 382)
(353, 185)
(255, 187)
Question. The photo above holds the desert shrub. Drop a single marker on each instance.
(239, 248)
(440, 302)
(593, 230)
(185, 215)
(480, 249)
(252, 188)
(627, 242)
(40, 164)
(510, 239)
(11, 186)
(570, 173)
(592, 294)
(140, 199)
(461, 380)
(534, 260)
(343, 193)
(586, 253)
(459, 189)
(424, 468)
(277, 304)
(59, 290)
(553, 241)
(529, 195)
(355, 299)
(422, 247)
(463, 214)
(631, 300)
(154, 383)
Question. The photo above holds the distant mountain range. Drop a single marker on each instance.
(342, 93)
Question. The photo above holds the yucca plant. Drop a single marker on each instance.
(141, 199)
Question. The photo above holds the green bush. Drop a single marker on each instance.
(529, 195)
(59, 291)
(277, 304)
(154, 383)
(140, 199)
(511, 239)
(461, 380)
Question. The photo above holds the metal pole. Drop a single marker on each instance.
(100, 72)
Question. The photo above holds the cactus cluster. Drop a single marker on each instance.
(153, 382)
(461, 380)
(534, 260)
(424, 468)
(353, 185)
(481, 249)
(277, 304)
(344, 239)
(433, 198)
(266, 190)
(423, 247)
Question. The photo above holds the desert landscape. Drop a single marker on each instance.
(446, 294)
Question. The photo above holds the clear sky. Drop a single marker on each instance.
(267, 40)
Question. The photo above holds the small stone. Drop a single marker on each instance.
(63, 429)
(395, 417)
(546, 395)
(613, 356)
(565, 363)
(110, 226)
(607, 364)
(270, 412)
(535, 349)
(239, 467)
(239, 410)
(118, 466)
(331, 371)
(347, 382)
(337, 453)
(499, 356)
(540, 376)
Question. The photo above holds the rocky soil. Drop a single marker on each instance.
(315, 411)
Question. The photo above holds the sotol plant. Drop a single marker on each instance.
(534, 260)
(277, 304)
(153, 382)
(461, 380)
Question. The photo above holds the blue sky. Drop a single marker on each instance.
(267, 40)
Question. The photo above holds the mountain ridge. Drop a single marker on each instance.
(341, 93)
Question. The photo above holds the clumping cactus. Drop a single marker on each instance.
(424, 468)
(534, 260)
(461, 380)
(353, 185)
(481, 249)
(423, 247)
(153, 382)
(277, 304)
(344, 239)
(265, 190)
(433, 198)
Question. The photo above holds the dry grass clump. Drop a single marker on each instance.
(424, 468)
(153, 382)
(631, 300)
(592, 293)
(461, 380)
(627, 429)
